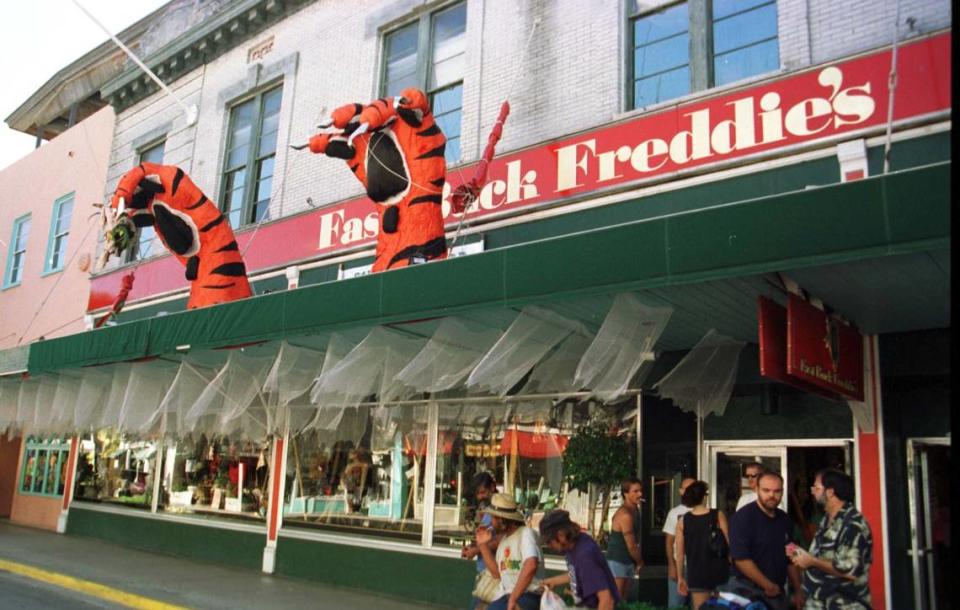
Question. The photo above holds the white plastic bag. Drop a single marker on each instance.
(551, 601)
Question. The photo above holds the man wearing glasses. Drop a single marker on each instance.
(752, 471)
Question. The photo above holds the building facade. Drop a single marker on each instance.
(666, 168)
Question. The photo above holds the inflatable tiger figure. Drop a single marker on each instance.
(189, 225)
(401, 165)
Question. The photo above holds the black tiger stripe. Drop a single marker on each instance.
(436, 152)
(354, 167)
(232, 246)
(426, 199)
(176, 181)
(203, 200)
(438, 182)
(235, 269)
(357, 108)
(220, 286)
(430, 131)
(212, 223)
(430, 250)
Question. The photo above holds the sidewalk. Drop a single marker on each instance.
(171, 580)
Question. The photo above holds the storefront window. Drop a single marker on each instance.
(44, 467)
(359, 470)
(115, 468)
(219, 477)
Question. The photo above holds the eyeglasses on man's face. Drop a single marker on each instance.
(753, 475)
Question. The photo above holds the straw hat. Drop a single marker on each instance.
(505, 507)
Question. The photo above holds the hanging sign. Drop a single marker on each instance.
(823, 351)
(773, 349)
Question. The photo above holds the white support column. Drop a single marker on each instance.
(293, 277)
(157, 472)
(430, 474)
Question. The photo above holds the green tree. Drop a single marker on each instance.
(598, 455)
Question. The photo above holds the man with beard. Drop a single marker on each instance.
(837, 567)
(518, 557)
(759, 534)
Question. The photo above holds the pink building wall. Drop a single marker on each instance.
(74, 162)
(33, 510)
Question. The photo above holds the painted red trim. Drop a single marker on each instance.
(871, 498)
(275, 500)
(804, 107)
(71, 468)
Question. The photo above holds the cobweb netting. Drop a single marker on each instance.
(702, 382)
(529, 338)
(623, 345)
(367, 370)
(233, 403)
(255, 391)
(288, 383)
(453, 350)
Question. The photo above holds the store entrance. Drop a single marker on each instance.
(796, 461)
(928, 467)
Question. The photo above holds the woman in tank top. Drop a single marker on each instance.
(705, 571)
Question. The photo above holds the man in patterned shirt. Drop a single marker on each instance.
(837, 566)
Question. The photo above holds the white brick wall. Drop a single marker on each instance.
(571, 79)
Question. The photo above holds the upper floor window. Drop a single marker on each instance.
(430, 54)
(744, 39)
(147, 243)
(44, 467)
(17, 251)
(673, 54)
(250, 155)
(59, 232)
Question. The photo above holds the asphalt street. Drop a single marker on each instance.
(40, 569)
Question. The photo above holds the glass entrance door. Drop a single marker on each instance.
(726, 471)
(929, 474)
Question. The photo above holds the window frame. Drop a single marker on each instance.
(133, 254)
(53, 235)
(8, 281)
(253, 155)
(425, 40)
(702, 57)
(62, 448)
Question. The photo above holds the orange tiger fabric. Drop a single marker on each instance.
(400, 162)
(191, 226)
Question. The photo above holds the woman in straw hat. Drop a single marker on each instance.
(518, 558)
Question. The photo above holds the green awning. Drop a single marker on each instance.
(898, 213)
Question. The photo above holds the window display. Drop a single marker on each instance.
(359, 470)
(112, 467)
(44, 467)
(219, 476)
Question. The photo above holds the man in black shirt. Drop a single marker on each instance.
(759, 533)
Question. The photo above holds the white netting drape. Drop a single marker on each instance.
(148, 383)
(702, 382)
(367, 370)
(253, 392)
(288, 383)
(453, 350)
(624, 343)
(556, 372)
(232, 403)
(9, 394)
(529, 338)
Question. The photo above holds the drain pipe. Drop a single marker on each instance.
(891, 86)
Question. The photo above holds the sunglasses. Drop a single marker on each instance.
(752, 476)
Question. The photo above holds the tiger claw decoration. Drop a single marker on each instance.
(400, 162)
(188, 224)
